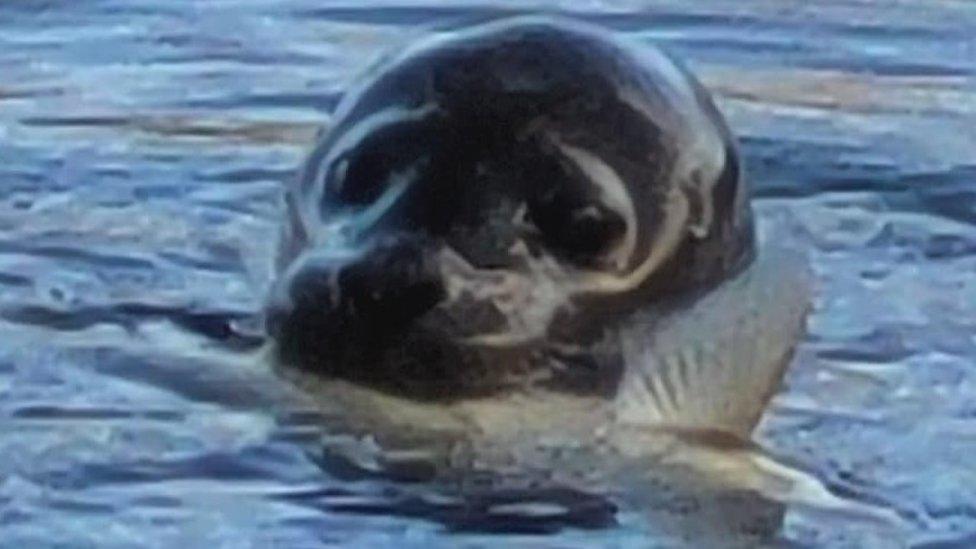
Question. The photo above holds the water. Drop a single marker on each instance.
(143, 146)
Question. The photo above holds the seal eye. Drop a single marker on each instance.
(574, 225)
(360, 175)
(376, 151)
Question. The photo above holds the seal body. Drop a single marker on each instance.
(493, 209)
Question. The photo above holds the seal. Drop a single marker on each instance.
(533, 206)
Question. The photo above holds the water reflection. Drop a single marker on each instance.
(141, 157)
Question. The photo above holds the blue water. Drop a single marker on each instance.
(143, 148)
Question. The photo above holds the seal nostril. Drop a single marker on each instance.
(381, 291)
(339, 313)
(391, 285)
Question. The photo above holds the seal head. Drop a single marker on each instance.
(491, 208)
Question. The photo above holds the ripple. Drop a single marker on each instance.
(142, 151)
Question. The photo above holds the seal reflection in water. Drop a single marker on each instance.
(529, 226)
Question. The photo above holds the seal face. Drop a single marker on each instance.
(491, 206)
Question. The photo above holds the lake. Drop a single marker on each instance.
(143, 150)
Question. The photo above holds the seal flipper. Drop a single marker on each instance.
(714, 365)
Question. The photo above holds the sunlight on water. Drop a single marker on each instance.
(143, 147)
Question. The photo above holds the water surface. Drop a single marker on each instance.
(143, 148)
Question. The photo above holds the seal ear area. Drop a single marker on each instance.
(723, 239)
(722, 200)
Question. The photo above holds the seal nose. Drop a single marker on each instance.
(391, 285)
(334, 302)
